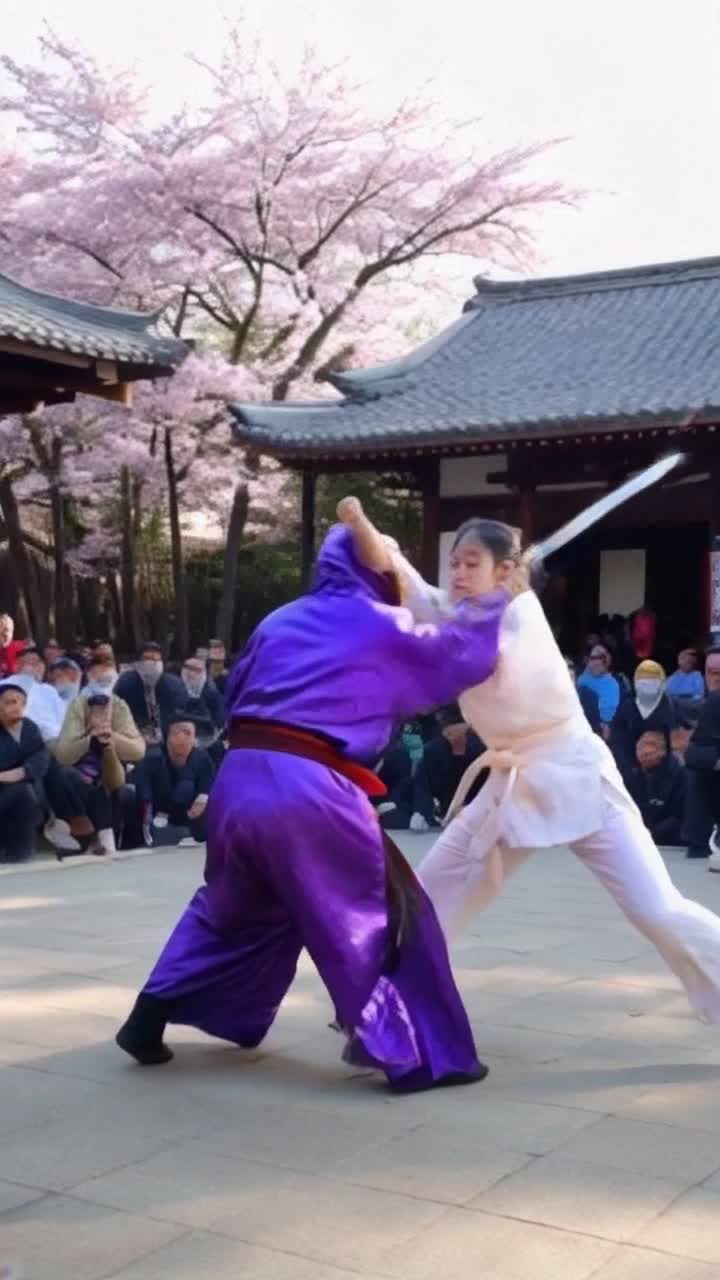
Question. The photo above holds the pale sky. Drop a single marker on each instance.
(632, 84)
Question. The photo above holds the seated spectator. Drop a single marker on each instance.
(657, 784)
(444, 762)
(413, 740)
(712, 670)
(686, 681)
(98, 739)
(597, 677)
(217, 667)
(395, 769)
(9, 647)
(649, 710)
(65, 677)
(101, 677)
(173, 785)
(23, 765)
(588, 699)
(105, 652)
(52, 651)
(206, 707)
(44, 707)
(702, 760)
(151, 693)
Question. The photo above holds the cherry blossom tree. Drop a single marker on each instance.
(282, 224)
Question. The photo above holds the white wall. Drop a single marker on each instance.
(622, 581)
(467, 477)
(446, 541)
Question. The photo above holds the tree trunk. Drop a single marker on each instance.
(182, 636)
(127, 565)
(57, 509)
(37, 617)
(236, 528)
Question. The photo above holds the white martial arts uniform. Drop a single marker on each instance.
(554, 782)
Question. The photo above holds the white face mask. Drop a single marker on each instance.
(194, 682)
(67, 691)
(647, 689)
(150, 669)
(25, 681)
(105, 684)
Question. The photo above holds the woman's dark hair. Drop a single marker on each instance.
(499, 538)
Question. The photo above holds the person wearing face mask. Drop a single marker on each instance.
(151, 693)
(598, 677)
(99, 738)
(44, 705)
(205, 706)
(649, 710)
(101, 678)
(66, 678)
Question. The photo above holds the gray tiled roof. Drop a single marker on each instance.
(640, 346)
(46, 321)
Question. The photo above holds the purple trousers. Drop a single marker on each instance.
(296, 859)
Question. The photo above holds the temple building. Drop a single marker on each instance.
(541, 396)
(52, 349)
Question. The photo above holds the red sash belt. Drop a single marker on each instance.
(268, 735)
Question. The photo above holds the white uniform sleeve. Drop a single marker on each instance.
(426, 603)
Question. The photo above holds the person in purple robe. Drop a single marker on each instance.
(296, 856)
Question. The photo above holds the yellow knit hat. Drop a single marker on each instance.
(649, 669)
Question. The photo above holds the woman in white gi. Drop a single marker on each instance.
(552, 780)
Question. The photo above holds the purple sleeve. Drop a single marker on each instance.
(434, 664)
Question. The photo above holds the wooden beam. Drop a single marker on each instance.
(106, 370)
(307, 542)
(48, 354)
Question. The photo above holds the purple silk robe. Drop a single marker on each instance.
(295, 854)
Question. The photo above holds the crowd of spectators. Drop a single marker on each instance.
(96, 755)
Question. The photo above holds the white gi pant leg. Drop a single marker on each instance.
(465, 869)
(624, 858)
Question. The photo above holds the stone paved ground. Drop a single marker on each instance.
(592, 1150)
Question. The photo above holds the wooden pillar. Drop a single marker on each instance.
(307, 541)
(525, 514)
(429, 480)
(713, 574)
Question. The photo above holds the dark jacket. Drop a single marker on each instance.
(30, 753)
(438, 774)
(591, 706)
(208, 705)
(702, 760)
(660, 796)
(170, 693)
(628, 726)
(163, 786)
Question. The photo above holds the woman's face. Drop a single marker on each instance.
(473, 570)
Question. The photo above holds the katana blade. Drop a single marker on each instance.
(609, 501)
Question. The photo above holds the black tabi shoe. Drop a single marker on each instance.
(142, 1035)
(408, 1085)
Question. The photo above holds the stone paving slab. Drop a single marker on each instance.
(592, 1152)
